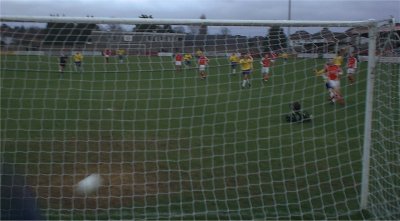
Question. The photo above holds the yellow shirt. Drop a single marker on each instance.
(285, 55)
(246, 63)
(78, 57)
(187, 57)
(234, 58)
(199, 53)
(338, 60)
(121, 52)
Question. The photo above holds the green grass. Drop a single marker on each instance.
(172, 146)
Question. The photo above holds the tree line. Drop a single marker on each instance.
(79, 33)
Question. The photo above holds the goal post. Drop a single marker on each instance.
(372, 32)
(299, 125)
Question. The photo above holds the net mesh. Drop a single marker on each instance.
(172, 143)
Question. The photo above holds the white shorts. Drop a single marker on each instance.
(334, 84)
(265, 70)
(202, 67)
(179, 63)
(351, 70)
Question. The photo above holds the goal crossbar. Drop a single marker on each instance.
(135, 21)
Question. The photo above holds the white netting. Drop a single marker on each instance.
(171, 143)
(385, 153)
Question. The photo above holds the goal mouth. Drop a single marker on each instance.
(192, 119)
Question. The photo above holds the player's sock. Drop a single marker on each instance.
(331, 94)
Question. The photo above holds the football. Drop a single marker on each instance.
(89, 185)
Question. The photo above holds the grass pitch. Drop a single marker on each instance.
(170, 145)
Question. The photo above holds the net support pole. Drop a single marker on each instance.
(372, 32)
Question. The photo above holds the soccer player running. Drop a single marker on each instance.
(338, 60)
(62, 62)
(78, 58)
(246, 64)
(187, 59)
(121, 55)
(351, 68)
(107, 55)
(234, 60)
(178, 62)
(265, 70)
(199, 53)
(273, 57)
(285, 57)
(332, 74)
(202, 62)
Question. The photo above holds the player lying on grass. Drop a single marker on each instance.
(331, 74)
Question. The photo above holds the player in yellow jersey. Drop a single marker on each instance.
(187, 59)
(78, 58)
(234, 59)
(285, 57)
(246, 64)
(338, 60)
(121, 55)
(199, 53)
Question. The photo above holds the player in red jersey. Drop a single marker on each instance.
(178, 62)
(266, 64)
(107, 55)
(332, 74)
(351, 68)
(202, 62)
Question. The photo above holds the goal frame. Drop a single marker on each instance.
(372, 59)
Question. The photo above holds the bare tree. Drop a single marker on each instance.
(225, 31)
(179, 29)
(203, 28)
(194, 29)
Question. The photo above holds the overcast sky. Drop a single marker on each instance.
(212, 9)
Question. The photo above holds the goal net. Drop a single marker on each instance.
(177, 127)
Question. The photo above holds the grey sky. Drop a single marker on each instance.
(213, 9)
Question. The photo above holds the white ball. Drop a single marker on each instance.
(90, 184)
